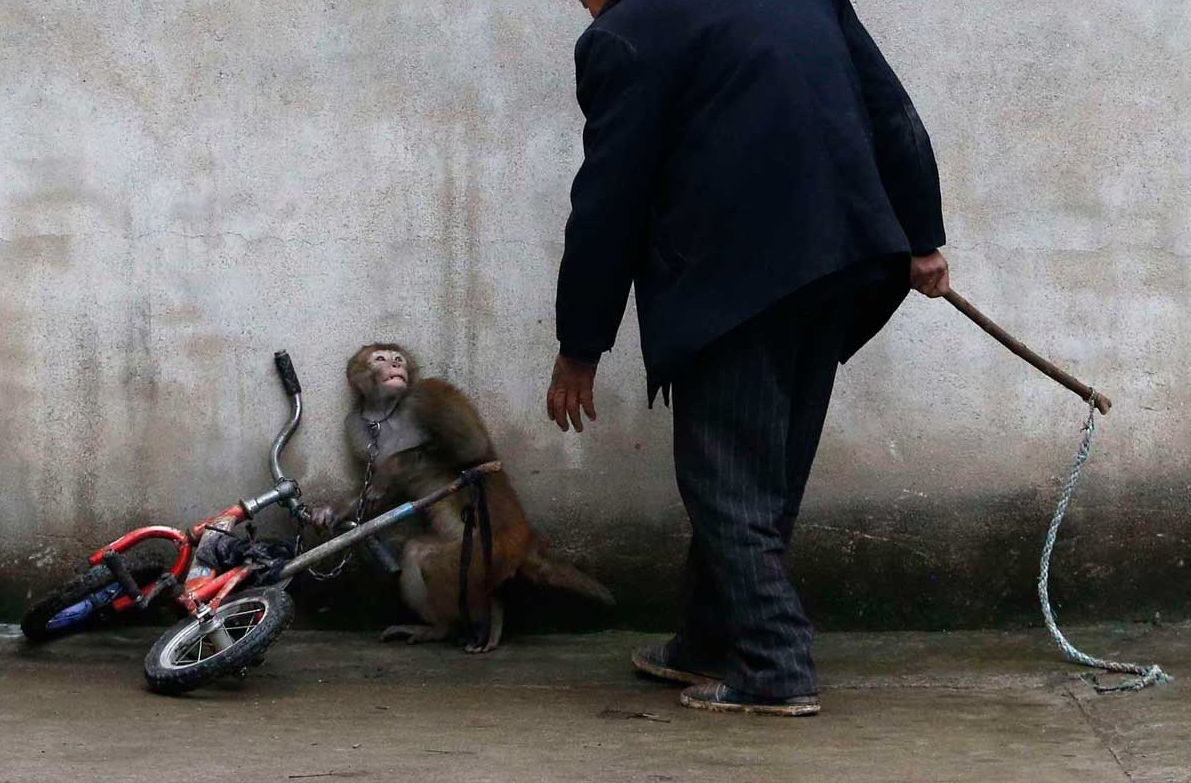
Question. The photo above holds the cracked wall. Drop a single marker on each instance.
(185, 188)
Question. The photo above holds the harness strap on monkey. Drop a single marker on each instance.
(476, 513)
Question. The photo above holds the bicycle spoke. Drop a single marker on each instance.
(184, 653)
(242, 622)
(237, 620)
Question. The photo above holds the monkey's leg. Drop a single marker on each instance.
(485, 611)
(417, 552)
(446, 518)
(496, 620)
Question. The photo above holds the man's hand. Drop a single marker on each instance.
(929, 275)
(571, 387)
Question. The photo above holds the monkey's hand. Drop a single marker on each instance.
(323, 515)
(375, 494)
(571, 387)
(378, 489)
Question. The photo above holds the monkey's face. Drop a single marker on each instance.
(389, 372)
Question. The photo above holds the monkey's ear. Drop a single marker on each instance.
(361, 382)
(357, 367)
(412, 368)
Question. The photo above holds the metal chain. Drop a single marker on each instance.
(1148, 675)
(373, 450)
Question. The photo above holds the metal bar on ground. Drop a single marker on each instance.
(376, 524)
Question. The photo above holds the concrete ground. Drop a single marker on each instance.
(972, 706)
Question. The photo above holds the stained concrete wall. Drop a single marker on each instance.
(187, 186)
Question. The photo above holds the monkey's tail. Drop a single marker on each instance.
(542, 570)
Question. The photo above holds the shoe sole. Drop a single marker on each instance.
(781, 710)
(674, 675)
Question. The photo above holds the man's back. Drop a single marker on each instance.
(732, 159)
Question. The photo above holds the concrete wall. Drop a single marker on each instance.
(187, 186)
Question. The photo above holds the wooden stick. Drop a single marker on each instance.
(1085, 392)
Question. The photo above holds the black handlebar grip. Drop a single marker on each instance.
(115, 563)
(383, 557)
(289, 378)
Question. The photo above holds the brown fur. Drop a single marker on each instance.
(450, 437)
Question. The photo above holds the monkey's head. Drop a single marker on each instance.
(382, 372)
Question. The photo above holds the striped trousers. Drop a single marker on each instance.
(748, 413)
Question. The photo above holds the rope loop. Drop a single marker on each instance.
(1147, 675)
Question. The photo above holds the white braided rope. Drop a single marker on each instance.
(1148, 675)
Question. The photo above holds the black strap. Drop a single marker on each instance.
(475, 512)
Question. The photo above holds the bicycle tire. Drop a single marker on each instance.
(36, 620)
(265, 612)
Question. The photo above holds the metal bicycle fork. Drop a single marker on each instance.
(213, 629)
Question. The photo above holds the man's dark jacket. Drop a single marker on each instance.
(737, 152)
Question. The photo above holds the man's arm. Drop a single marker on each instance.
(904, 155)
(610, 201)
(610, 197)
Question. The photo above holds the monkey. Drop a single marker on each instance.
(427, 432)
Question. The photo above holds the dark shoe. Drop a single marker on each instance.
(661, 659)
(718, 697)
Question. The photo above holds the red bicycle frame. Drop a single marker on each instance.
(208, 589)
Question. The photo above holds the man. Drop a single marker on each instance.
(756, 170)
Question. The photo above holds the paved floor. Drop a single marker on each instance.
(980, 706)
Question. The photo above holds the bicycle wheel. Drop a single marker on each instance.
(193, 653)
(81, 602)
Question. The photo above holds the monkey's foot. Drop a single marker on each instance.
(490, 630)
(414, 634)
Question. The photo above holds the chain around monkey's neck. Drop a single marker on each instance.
(395, 431)
(392, 408)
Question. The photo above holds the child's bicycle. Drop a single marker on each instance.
(233, 614)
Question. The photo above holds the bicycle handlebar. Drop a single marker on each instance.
(285, 368)
(289, 379)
